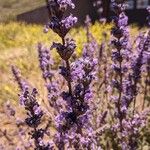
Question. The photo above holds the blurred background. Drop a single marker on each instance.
(35, 11)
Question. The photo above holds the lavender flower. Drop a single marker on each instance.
(46, 65)
(65, 3)
(58, 23)
(76, 118)
(131, 130)
(31, 105)
(17, 75)
(69, 22)
(45, 62)
(148, 18)
(120, 53)
(65, 51)
(77, 102)
(33, 120)
(78, 76)
(127, 67)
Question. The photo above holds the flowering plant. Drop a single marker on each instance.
(93, 102)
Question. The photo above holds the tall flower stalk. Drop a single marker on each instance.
(140, 61)
(46, 65)
(120, 52)
(146, 59)
(127, 66)
(33, 120)
(34, 113)
(17, 75)
(72, 122)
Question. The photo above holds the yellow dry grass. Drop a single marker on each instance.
(18, 46)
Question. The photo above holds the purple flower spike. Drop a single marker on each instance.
(148, 18)
(58, 23)
(22, 84)
(65, 51)
(34, 116)
(127, 66)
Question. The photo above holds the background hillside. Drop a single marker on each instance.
(10, 8)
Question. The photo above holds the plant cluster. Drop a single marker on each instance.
(96, 101)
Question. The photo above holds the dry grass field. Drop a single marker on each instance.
(18, 47)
